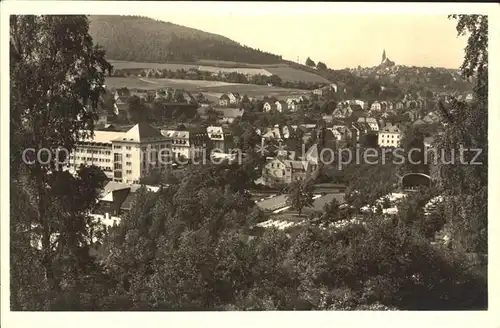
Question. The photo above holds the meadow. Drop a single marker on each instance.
(284, 71)
(212, 87)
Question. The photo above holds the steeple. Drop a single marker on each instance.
(383, 56)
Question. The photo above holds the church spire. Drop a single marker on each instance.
(383, 55)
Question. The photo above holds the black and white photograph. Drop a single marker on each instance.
(246, 156)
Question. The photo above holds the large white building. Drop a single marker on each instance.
(124, 156)
(389, 136)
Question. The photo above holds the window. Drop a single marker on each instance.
(129, 163)
(128, 155)
(117, 147)
(129, 172)
(129, 148)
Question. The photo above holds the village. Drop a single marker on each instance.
(195, 126)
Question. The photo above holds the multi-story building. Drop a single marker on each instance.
(189, 144)
(220, 138)
(389, 136)
(124, 156)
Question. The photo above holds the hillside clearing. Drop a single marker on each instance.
(212, 87)
(285, 72)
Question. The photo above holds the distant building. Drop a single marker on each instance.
(187, 145)
(220, 138)
(389, 136)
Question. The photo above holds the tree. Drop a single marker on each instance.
(310, 62)
(137, 111)
(321, 66)
(413, 144)
(466, 185)
(57, 76)
(300, 195)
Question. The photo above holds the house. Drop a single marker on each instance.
(318, 92)
(120, 107)
(281, 106)
(419, 122)
(272, 133)
(189, 144)
(291, 100)
(116, 199)
(371, 121)
(229, 98)
(122, 93)
(293, 106)
(389, 136)
(344, 131)
(336, 134)
(162, 94)
(432, 117)
(361, 103)
(303, 99)
(267, 106)
(383, 105)
(376, 106)
(224, 100)
(390, 105)
(342, 111)
(283, 171)
(412, 104)
(188, 97)
(399, 105)
(220, 138)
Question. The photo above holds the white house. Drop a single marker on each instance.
(267, 107)
(376, 106)
(389, 136)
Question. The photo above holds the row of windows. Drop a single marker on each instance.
(90, 159)
(392, 136)
(389, 142)
(93, 151)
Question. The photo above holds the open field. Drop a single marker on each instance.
(118, 64)
(210, 87)
(285, 72)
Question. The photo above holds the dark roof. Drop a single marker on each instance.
(356, 107)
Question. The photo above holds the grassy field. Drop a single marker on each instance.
(118, 64)
(292, 74)
(284, 71)
(212, 87)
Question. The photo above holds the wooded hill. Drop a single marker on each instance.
(134, 38)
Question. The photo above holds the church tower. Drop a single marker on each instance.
(383, 56)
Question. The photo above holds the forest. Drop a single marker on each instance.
(141, 39)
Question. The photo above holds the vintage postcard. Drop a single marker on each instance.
(238, 156)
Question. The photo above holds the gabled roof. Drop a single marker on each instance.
(141, 132)
(390, 129)
(294, 165)
(123, 92)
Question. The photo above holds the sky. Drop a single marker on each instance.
(340, 38)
